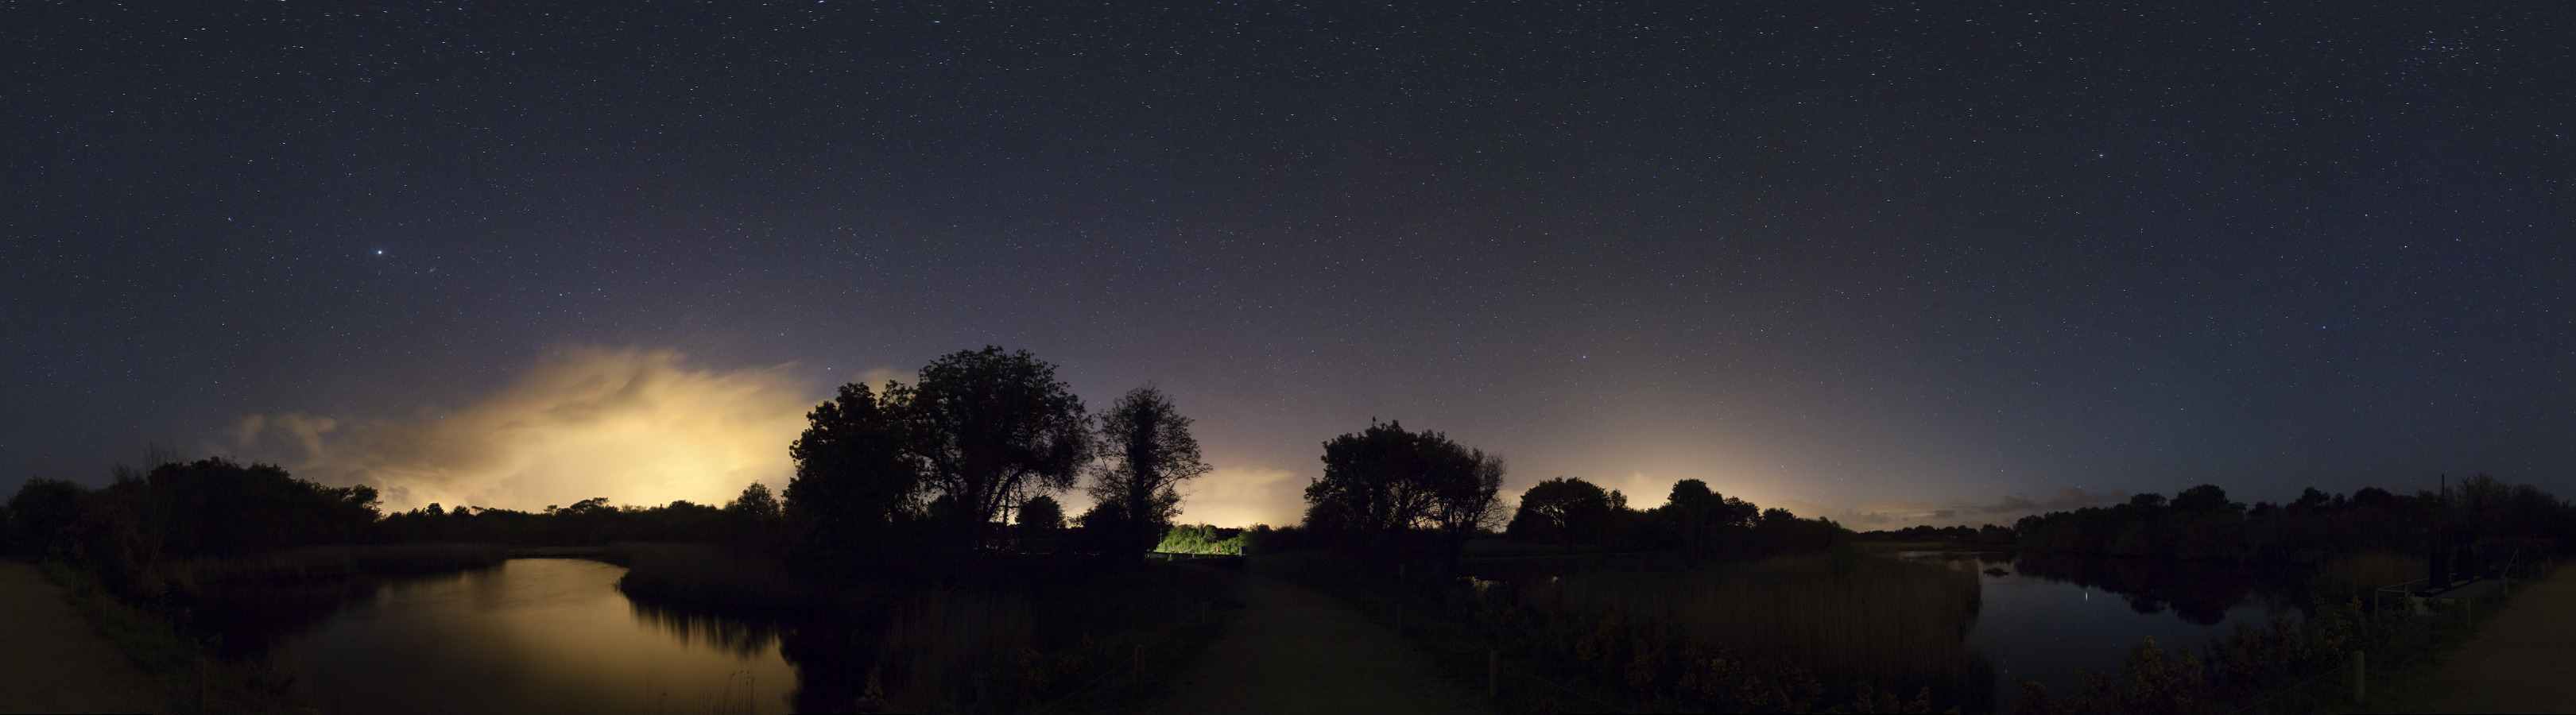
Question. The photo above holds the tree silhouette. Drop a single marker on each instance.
(1384, 481)
(1565, 510)
(854, 478)
(1149, 452)
(992, 428)
(1467, 486)
(1041, 514)
(1698, 516)
(38, 514)
(755, 504)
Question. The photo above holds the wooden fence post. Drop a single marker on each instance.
(1493, 674)
(2359, 691)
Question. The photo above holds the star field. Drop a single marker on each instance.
(1852, 258)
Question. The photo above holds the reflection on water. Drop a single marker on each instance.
(534, 635)
(2045, 615)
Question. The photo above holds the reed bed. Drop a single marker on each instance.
(730, 633)
(959, 648)
(1784, 634)
(708, 574)
(2359, 574)
(1893, 620)
(335, 563)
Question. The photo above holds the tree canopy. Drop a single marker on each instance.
(855, 474)
(1385, 481)
(993, 428)
(1148, 453)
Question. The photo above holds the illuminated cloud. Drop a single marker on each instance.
(1237, 495)
(637, 427)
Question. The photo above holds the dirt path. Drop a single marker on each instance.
(1293, 650)
(2519, 662)
(50, 661)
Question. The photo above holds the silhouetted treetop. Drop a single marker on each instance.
(1148, 452)
(855, 473)
(993, 427)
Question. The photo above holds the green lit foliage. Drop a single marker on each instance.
(1203, 539)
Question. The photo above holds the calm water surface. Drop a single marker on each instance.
(531, 636)
(2042, 619)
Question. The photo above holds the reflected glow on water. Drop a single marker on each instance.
(2042, 630)
(2041, 617)
(533, 635)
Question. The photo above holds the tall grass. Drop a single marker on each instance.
(2360, 574)
(710, 575)
(960, 648)
(1869, 618)
(324, 564)
(1858, 625)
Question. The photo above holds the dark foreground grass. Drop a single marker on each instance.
(1844, 633)
(171, 661)
(2288, 668)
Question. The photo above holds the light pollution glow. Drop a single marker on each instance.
(644, 427)
(637, 427)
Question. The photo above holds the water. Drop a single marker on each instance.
(2044, 617)
(530, 636)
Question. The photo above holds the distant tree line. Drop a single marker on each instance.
(1698, 521)
(2201, 524)
(175, 511)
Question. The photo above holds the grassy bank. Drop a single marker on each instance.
(1844, 631)
(2286, 667)
(183, 669)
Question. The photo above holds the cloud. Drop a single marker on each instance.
(1243, 495)
(637, 427)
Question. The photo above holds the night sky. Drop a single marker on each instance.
(1890, 264)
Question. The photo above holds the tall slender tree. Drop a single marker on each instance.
(1148, 453)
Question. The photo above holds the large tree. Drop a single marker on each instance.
(1565, 510)
(1148, 452)
(992, 429)
(1466, 500)
(1385, 480)
(1698, 516)
(854, 476)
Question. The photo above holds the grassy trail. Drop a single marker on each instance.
(1294, 650)
(50, 660)
(2520, 661)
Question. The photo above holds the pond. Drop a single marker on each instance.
(2042, 617)
(529, 636)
